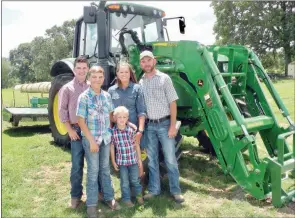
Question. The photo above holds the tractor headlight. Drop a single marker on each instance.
(155, 12)
(125, 8)
(132, 8)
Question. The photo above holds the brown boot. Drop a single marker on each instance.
(139, 200)
(100, 196)
(148, 196)
(128, 203)
(92, 212)
(178, 198)
(113, 204)
(75, 203)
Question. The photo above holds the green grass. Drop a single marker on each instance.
(35, 178)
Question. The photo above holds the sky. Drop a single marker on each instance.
(22, 21)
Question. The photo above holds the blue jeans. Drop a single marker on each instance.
(129, 175)
(159, 132)
(98, 168)
(77, 153)
(77, 156)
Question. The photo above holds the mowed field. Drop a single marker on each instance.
(35, 176)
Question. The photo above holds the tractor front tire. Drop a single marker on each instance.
(58, 130)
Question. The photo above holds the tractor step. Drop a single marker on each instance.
(253, 124)
(283, 163)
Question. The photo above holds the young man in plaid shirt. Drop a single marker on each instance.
(127, 157)
(94, 112)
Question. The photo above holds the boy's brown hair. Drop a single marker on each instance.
(96, 69)
(81, 59)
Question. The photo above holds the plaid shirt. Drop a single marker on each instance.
(96, 109)
(124, 145)
(67, 100)
(158, 93)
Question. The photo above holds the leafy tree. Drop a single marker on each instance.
(21, 59)
(31, 62)
(7, 80)
(264, 26)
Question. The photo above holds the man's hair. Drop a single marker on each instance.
(80, 59)
(96, 69)
(121, 109)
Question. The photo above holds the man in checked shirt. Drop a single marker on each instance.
(160, 99)
(94, 113)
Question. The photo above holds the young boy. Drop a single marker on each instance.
(127, 159)
(94, 111)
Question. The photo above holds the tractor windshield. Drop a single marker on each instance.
(148, 29)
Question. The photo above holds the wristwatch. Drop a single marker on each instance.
(141, 131)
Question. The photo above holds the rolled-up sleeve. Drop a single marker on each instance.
(140, 104)
(82, 106)
(63, 104)
(170, 91)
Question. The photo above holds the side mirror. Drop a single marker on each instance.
(182, 25)
(89, 14)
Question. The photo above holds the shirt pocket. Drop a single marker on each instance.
(131, 100)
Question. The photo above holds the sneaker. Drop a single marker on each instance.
(113, 204)
(92, 212)
(128, 203)
(148, 196)
(178, 198)
(75, 203)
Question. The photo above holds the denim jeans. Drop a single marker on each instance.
(77, 153)
(129, 176)
(98, 168)
(158, 132)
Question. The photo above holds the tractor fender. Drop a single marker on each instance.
(62, 66)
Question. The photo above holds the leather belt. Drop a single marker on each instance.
(158, 120)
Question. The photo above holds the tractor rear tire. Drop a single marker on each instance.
(58, 130)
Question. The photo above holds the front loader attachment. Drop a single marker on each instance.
(236, 110)
(221, 96)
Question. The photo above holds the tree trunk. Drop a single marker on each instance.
(287, 54)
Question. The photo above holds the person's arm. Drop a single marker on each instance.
(138, 152)
(63, 112)
(171, 95)
(173, 112)
(141, 114)
(112, 148)
(82, 114)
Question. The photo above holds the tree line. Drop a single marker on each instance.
(31, 62)
(266, 27)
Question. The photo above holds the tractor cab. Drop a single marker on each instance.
(105, 32)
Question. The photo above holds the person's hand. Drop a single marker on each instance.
(73, 135)
(94, 147)
(115, 166)
(137, 138)
(172, 131)
(134, 127)
(140, 168)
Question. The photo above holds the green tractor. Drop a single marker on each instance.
(221, 99)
